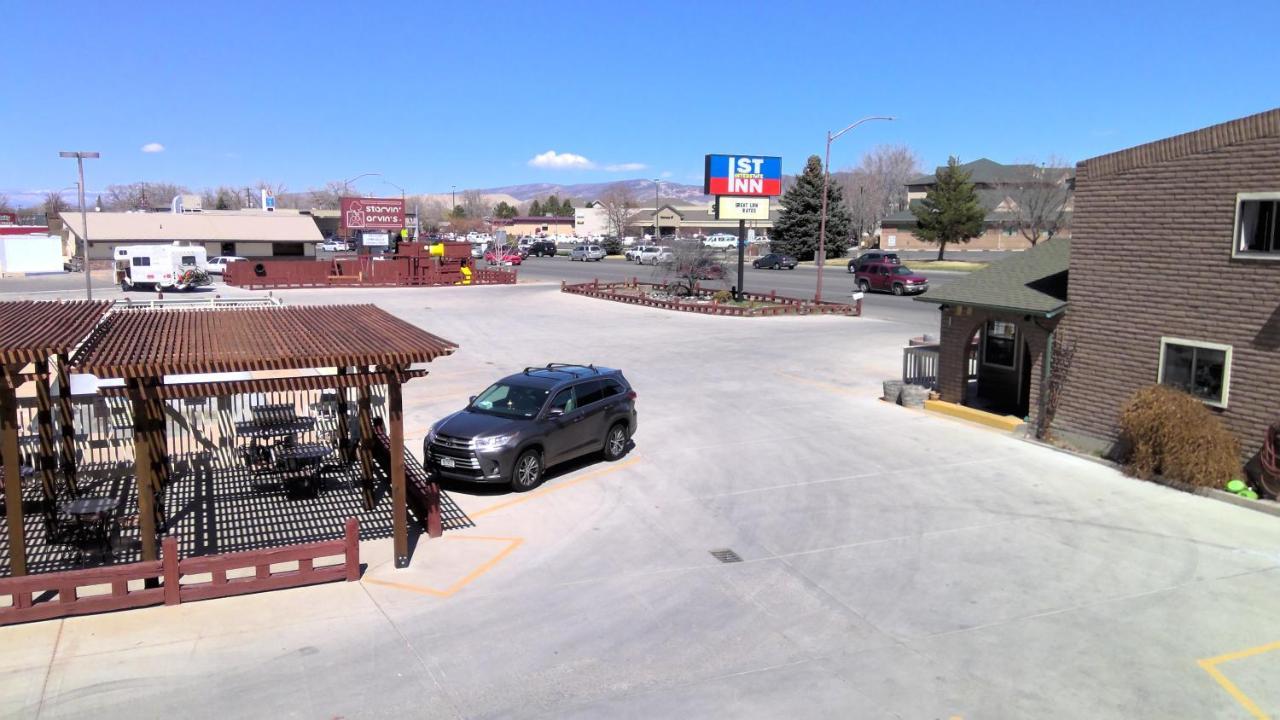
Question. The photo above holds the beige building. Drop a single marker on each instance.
(694, 220)
(251, 234)
(535, 226)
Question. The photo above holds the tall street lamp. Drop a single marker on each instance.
(346, 184)
(80, 156)
(657, 234)
(826, 175)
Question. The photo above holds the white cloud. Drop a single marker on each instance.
(560, 161)
(153, 147)
(666, 174)
(625, 167)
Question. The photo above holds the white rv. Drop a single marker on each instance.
(160, 267)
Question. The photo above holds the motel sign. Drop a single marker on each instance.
(743, 175)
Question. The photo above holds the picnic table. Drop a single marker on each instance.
(93, 518)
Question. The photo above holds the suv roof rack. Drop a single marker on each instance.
(556, 367)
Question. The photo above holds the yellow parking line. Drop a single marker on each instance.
(486, 566)
(1210, 665)
(818, 383)
(547, 490)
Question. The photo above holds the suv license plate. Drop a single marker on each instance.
(446, 462)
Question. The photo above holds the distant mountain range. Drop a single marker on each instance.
(640, 189)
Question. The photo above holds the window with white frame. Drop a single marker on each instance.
(1202, 369)
(999, 344)
(1257, 225)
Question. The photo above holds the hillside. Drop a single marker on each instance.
(640, 189)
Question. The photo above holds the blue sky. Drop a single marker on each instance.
(469, 94)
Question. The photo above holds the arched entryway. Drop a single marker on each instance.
(998, 368)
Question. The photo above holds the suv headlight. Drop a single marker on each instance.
(492, 442)
(431, 434)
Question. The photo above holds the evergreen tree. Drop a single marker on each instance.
(535, 208)
(551, 206)
(503, 210)
(950, 213)
(459, 212)
(97, 205)
(796, 232)
(566, 208)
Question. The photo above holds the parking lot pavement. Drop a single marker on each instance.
(894, 563)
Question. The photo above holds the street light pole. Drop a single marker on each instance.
(657, 187)
(826, 176)
(80, 156)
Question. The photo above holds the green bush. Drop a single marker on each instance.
(1166, 432)
(613, 245)
(722, 296)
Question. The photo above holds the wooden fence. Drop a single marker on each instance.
(363, 271)
(172, 581)
(775, 304)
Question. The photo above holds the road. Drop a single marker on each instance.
(837, 285)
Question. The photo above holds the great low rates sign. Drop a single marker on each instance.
(742, 208)
(372, 213)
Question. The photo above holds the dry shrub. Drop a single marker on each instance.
(1169, 433)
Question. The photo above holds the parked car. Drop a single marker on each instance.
(532, 420)
(721, 241)
(633, 253)
(774, 261)
(539, 248)
(873, 256)
(218, 265)
(648, 254)
(504, 256)
(332, 246)
(587, 252)
(890, 277)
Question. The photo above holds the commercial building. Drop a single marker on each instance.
(1174, 267)
(536, 226)
(250, 233)
(1000, 188)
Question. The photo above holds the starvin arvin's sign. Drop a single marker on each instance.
(372, 213)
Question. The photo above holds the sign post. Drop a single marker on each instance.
(742, 185)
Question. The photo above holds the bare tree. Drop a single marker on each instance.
(617, 204)
(878, 186)
(53, 204)
(474, 204)
(692, 265)
(142, 195)
(327, 197)
(1061, 353)
(5, 204)
(1040, 205)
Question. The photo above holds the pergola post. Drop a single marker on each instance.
(365, 449)
(344, 431)
(67, 419)
(149, 460)
(12, 476)
(47, 462)
(399, 510)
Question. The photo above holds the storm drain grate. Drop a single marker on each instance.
(726, 555)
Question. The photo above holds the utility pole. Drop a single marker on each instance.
(657, 234)
(821, 258)
(84, 218)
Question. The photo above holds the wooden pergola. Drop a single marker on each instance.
(37, 339)
(297, 348)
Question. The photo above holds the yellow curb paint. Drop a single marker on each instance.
(1210, 665)
(554, 488)
(486, 566)
(1000, 422)
(818, 383)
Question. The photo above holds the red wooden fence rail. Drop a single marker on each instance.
(66, 586)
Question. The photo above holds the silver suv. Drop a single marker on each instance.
(587, 252)
(527, 422)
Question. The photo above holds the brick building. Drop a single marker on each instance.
(1000, 188)
(1174, 268)
(1175, 278)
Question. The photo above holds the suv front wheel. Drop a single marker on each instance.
(527, 471)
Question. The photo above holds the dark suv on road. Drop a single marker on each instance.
(538, 248)
(527, 422)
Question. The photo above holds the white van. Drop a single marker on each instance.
(160, 267)
(721, 241)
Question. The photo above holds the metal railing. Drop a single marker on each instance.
(920, 366)
(190, 302)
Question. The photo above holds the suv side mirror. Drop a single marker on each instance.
(471, 400)
(555, 412)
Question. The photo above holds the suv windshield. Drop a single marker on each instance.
(507, 400)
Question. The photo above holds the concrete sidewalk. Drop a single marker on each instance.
(895, 563)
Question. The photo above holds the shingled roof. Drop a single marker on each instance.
(1033, 281)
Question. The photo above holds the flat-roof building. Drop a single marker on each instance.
(250, 233)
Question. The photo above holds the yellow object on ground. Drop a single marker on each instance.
(466, 274)
(437, 249)
(1008, 423)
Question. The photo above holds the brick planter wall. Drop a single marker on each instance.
(782, 305)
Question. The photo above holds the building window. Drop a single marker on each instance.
(288, 249)
(1200, 368)
(999, 344)
(1257, 232)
